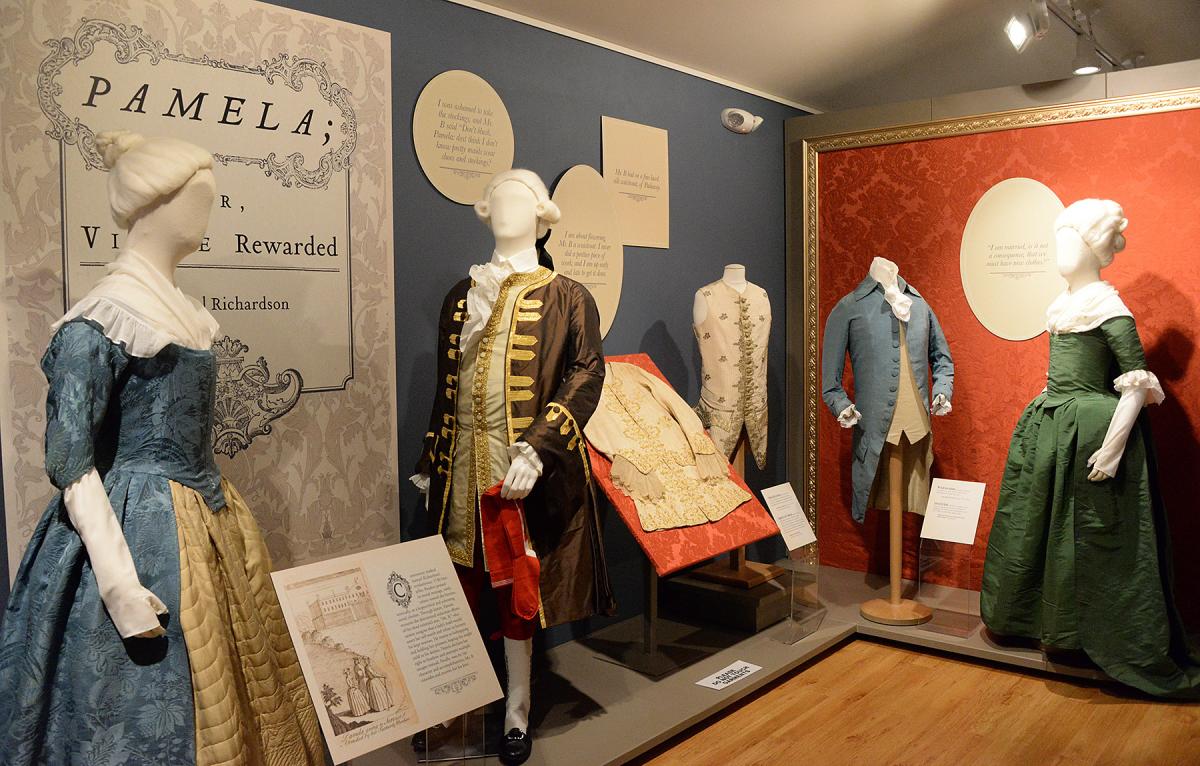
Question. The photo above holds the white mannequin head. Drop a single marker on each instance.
(517, 207)
(1088, 233)
(161, 190)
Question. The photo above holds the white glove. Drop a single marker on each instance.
(523, 472)
(941, 405)
(1105, 460)
(849, 417)
(132, 608)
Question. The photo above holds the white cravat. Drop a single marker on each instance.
(487, 278)
(887, 274)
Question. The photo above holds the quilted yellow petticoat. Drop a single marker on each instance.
(252, 706)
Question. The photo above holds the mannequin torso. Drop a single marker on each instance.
(734, 276)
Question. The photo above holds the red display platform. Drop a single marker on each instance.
(671, 550)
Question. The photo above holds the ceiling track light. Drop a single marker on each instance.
(1077, 15)
(1087, 60)
(1028, 26)
(1090, 56)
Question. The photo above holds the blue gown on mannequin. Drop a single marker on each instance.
(71, 690)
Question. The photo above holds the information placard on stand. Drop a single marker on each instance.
(944, 564)
(387, 644)
(806, 611)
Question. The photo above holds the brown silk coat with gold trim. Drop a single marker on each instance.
(554, 378)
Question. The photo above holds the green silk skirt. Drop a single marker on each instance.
(1084, 565)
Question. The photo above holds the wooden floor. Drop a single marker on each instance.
(875, 704)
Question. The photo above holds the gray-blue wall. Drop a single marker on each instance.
(727, 205)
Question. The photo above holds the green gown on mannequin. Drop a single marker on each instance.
(1084, 565)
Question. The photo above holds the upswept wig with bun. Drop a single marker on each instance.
(1099, 223)
(547, 212)
(143, 170)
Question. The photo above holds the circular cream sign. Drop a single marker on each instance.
(586, 243)
(462, 135)
(1007, 259)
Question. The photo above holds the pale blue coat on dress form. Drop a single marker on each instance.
(862, 323)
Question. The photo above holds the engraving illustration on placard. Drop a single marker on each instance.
(349, 656)
(462, 134)
(1007, 258)
(586, 243)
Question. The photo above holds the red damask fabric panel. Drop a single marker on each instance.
(671, 550)
(910, 202)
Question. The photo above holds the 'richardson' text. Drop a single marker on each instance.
(238, 303)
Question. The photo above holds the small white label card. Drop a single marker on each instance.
(789, 516)
(730, 675)
(953, 511)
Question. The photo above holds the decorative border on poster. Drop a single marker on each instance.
(131, 43)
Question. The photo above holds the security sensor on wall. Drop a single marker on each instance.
(740, 121)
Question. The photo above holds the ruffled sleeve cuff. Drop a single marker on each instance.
(849, 417)
(712, 466)
(635, 482)
(526, 450)
(420, 481)
(1141, 379)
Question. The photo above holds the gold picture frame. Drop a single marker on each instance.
(803, 383)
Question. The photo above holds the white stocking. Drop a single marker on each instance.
(518, 659)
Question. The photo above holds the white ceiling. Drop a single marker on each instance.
(830, 55)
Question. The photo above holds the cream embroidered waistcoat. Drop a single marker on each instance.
(481, 449)
(733, 353)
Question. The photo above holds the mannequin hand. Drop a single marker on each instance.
(849, 417)
(941, 405)
(1101, 469)
(522, 475)
(134, 610)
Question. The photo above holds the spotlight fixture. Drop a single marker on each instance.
(1018, 32)
(1087, 60)
(1032, 25)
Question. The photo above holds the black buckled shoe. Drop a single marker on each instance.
(420, 741)
(515, 747)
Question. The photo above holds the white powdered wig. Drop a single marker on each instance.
(547, 212)
(1099, 222)
(143, 170)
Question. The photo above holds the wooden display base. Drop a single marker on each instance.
(730, 606)
(906, 612)
(750, 574)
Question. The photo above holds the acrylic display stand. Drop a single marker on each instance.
(944, 585)
(807, 611)
(461, 740)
